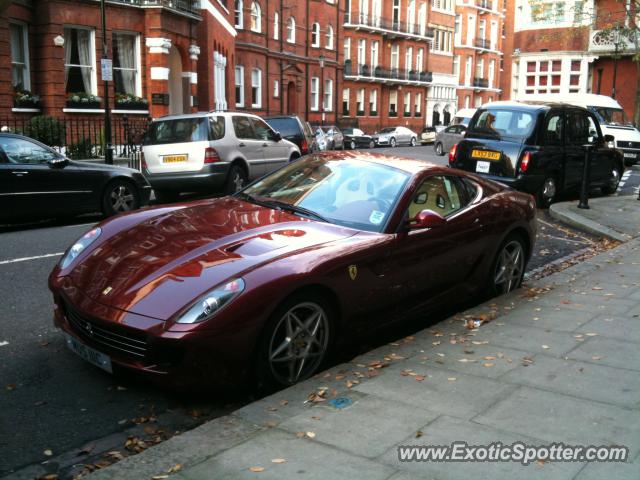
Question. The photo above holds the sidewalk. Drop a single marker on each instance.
(557, 361)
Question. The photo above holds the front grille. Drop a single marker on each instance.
(625, 144)
(113, 338)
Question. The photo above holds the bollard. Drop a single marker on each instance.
(586, 178)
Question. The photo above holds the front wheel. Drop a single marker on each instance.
(392, 143)
(507, 269)
(372, 144)
(352, 145)
(236, 179)
(614, 180)
(439, 149)
(295, 341)
(547, 193)
(120, 196)
(413, 141)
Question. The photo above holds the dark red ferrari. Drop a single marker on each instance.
(261, 285)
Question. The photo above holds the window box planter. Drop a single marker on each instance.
(26, 99)
(373, 113)
(360, 113)
(393, 114)
(83, 105)
(132, 106)
(345, 113)
(83, 100)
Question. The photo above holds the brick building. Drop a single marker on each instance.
(479, 38)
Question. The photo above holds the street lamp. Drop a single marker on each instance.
(107, 72)
(617, 42)
(321, 62)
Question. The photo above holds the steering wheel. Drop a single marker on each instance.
(384, 205)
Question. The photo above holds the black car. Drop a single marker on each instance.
(37, 181)
(295, 130)
(538, 148)
(354, 138)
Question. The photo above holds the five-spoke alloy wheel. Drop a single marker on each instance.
(508, 267)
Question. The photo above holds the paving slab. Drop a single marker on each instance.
(550, 319)
(614, 326)
(617, 471)
(621, 354)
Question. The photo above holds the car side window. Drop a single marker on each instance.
(452, 129)
(577, 128)
(216, 128)
(357, 132)
(593, 130)
(24, 152)
(242, 127)
(262, 130)
(439, 193)
(553, 132)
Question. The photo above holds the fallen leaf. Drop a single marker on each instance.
(419, 434)
(546, 347)
(419, 378)
(278, 460)
(436, 343)
(159, 477)
(488, 365)
(11, 386)
(48, 452)
(271, 424)
(50, 476)
(597, 357)
(591, 334)
(256, 469)
(452, 379)
(4, 343)
(311, 434)
(176, 468)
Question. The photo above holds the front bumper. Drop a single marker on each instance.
(209, 178)
(381, 141)
(631, 155)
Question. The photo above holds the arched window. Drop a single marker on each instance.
(315, 35)
(237, 11)
(329, 43)
(276, 26)
(291, 30)
(256, 17)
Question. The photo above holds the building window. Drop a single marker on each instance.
(276, 26)
(393, 103)
(411, 16)
(291, 30)
(256, 17)
(374, 54)
(345, 102)
(492, 67)
(407, 104)
(417, 109)
(20, 77)
(419, 62)
(328, 95)
(237, 11)
(276, 88)
(364, 12)
(422, 18)
(256, 88)
(126, 64)
(373, 102)
(456, 67)
(315, 82)
(329, 35)
(79, 61)
(395, 56)
(239, 86)
(315, 35)
(545, 76)
(442, 41)
(468, 70)
(480, 68)
(360, 103)
(362, 55)
(408, 59)
(347, 11)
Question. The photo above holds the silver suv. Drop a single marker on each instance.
(211, 152)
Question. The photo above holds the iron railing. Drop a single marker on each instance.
(381, 73)
(394, 26)
(483, 43)
(481, 82)
(186, 6)
(83, 138)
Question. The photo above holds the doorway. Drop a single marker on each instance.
(292, 106)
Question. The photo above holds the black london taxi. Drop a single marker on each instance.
(538, 148)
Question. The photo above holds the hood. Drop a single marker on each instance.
(161, 264)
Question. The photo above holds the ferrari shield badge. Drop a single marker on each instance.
(353, 272)
(106, 291)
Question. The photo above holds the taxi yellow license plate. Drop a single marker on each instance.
(485, 155)
(174, 158)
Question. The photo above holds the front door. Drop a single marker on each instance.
(274, 152)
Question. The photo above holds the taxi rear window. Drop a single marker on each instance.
(504, 122)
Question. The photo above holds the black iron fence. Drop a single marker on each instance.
(83, 138)
(187, 6)
(381, 73)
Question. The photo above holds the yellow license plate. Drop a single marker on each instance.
(174, 158)
(485, 155)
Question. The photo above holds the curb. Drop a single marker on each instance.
(563, 212)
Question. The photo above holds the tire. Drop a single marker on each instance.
(352, 144)
(372, 144)
(613, 182)
(413, 141)
(507, 268)
(439, 149)
(392, 142)
(284, 337)
(547, 193)
(165, 196)
(236, 179)
(120, 196)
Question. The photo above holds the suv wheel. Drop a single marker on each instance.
(236, 179)
(439, 149)
(547, 193)
(613, 182)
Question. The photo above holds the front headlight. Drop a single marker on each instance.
(209, 304)
(78, 247)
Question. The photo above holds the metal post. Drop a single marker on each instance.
(586, 178)
(321, 61)
(108, 154)
(616, 44)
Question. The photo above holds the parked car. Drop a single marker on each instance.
(393, 136)
(538, 149)
(297, 131)
(262, 285)
(428, 135)
(463, 116)
(334, 136)
(321, 140)
(354, 138)
(37, 181)
(448, 137)
(211, 152)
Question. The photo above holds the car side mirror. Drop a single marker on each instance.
(57, 162)
(609, 139)
(277, 136)
(426, 219)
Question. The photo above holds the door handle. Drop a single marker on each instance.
(241, 144)
(20, 173)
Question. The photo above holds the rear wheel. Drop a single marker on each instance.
(352, 144)
(392, 142)
(372, 144)
(507, 269)
(236, 179)
(295, 341)
(119, 196)
(614, 181)
(439, 149)
(413, 141)
(547, 193)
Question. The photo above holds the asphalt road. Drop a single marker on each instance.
(54, 403)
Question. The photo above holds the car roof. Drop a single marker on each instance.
(201, 115)
(409, 165)
(532, 105)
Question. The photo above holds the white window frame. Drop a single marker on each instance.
(315, 92)
(395, 56)
(239, 73)
(417, 101)
(276, 88)
(291, 30)
(360, 101)
(328, 95)
(492, 69)
(26, 69)
(422, 18)
(138, 60)
(238, 12)
(276, 26)
(92, 50)
(346, 93)
(256, 17)
(329, 37)
(315, 35)
(374, 54)
(362, 51)
(347, 48)
(468, 71)
(373, 102)
(420, 60)
(407, 103)
(258, 87)
(393, 100)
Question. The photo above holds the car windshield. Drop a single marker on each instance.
(345, 191)
(503, 123)
(387, 130)
(180, 130)
(287, 127)
(612, 116)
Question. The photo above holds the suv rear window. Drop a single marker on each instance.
(287, 127)
(185, 130)
(503, 122)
